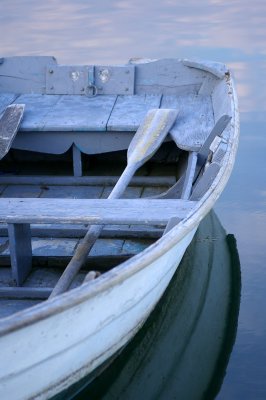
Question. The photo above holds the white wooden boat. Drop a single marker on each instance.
(92, 114)
(191, 332)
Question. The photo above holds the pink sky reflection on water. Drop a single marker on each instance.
(112, 31)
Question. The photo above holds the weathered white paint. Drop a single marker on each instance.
(70, 352)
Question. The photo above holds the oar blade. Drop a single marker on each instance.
(150, 135)
(9, 124)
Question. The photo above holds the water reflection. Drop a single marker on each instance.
(183, 349)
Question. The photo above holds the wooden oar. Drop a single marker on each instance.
(9, 124)
(144, 144)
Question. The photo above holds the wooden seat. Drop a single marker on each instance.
(20, 213)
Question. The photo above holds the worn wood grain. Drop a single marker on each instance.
(84, 180)
(129, 111)
(98, 211)
(205, 181)
(6, 99)
(78, 231)
(215, 68)
(37, 108)
(80, 113)
(71, 192)
(20, 251)
(168, 76)
(24, 74)
(21, 191)
(194, 122)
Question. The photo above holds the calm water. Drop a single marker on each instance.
(234, 32)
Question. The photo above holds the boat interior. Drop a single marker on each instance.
(72, 145)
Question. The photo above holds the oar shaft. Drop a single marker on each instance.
(77, 260)
(123, 181)
(146, 141)
(90, 238)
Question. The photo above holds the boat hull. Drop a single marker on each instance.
(44, 358)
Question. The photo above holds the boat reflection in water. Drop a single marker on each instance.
(184, 347)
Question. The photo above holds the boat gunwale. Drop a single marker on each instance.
(142, 260)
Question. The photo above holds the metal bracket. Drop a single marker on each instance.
(115, 79)
(64, 79)
(90, 80)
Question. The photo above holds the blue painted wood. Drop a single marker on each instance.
(77, 161)
(72, 192)
(76, 183)
(167, 76)
(18, 191)
(24, 74)
(60, 142)
(80, 113)
(129, 111)
(24, 293)
(20, 251)
(194, 122)
(205, 181)
(92, 211)
(37, 108)
(6, 99)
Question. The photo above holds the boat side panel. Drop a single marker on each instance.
(84, 336)
(223, 103)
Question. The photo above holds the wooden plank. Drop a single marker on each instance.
(21, 191)
(25, 74)
(194, 122)
(205, 181)
(89, 142)
(167, 76)
(2, 188)
(20, 251)
(222, 103)
(135, 246)
(215, 68)
(77, 161)
(98, 211)
(106, 247)
(25, 293)
(72, 192)
(37, 107)
(80, 113)
(171, 224)
(78, 231)
(4, 243)
(129, 193)
(53, 247)
(129, 111)
(6, 99)
(189, 175)
(84, 180)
